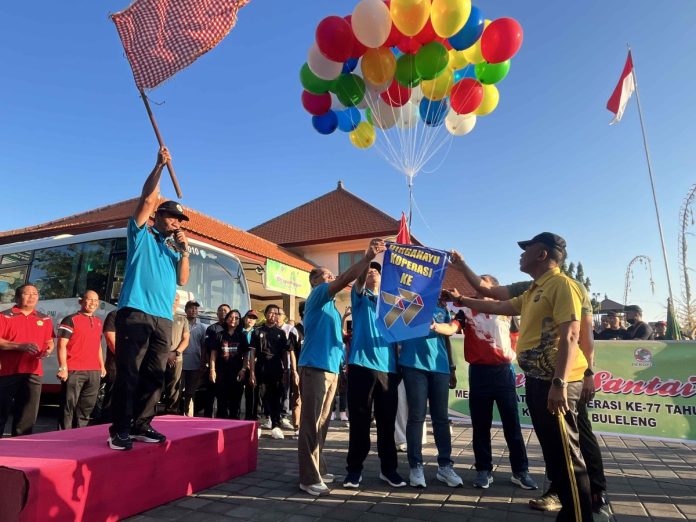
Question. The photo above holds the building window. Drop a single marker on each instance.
(348, 259)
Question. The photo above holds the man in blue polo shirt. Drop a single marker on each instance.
(319, 363)
(157, 261)
(372, 379)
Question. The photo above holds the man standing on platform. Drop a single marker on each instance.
(320, 361)
(80, 363)
(26, 336)
(157, 261)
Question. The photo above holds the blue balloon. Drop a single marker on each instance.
(349, 65)
(466, 72)
(326, 123)
(397, 52)
(348, 119)
(433, 112)
(472, 31)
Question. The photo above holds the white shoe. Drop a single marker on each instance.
(344, 416)
(286, 424)
(258, 433)
(401, 448)
(316, 490)
(447, 475)
(328, 478)
(267, 424)
(333, 415)
(416, 477)
(277, 433)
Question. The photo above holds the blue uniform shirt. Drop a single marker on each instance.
(427, 353)
(150, 281)
(323, 342)
(368, 348)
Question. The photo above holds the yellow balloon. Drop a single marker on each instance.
(457, 60)
(449, 16)
(410, 16)
(363, 136)
(440, 87)
(490, 100)
(378, 65)
(473, 53)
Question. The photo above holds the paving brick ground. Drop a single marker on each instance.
(648, 481)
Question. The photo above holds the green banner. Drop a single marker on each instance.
(286, 279)
(644, 388)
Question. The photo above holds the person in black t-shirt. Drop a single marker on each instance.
(271, 347)
(227, 368)
(614, 332)
(638, 329)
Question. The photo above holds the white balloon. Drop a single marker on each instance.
(371, 22)
(460, 124)
(371, 96)
(416, 95)
(321, 66)
(384, 115)
(408, 116)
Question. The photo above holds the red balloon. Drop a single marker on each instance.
(335, 38)
(316, 104)
(501, 40)
(358, 48)
(409, 45)
(397, 95)
(395, 36)
(427, 34)
(466, 96)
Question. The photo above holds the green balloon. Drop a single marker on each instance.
(431, 60)
(312, 83)
(368, 116)
(406, 73)
(490, 73)
(349, 89)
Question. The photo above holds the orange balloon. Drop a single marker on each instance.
(378, 65)
(410, 16)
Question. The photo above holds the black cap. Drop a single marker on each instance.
(191, 303)
(633, 308)
(545, 238)
(376, 266)
(174, 209)
(252, 313)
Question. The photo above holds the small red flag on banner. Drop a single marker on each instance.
(404, 236)
(623, 91)
(161, 37)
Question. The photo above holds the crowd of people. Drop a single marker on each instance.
(157, 357)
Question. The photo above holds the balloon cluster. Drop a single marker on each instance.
(405, 62)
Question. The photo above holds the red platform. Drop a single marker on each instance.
(74, 476)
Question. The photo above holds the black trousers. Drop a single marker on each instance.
(251, 400)
(559, 439)
(190, 382)
(269, 374)
(368, 387)
(19, 395)
(78, 395)
(172, 386)
(229, 392)
(143, 342)
(104, 414)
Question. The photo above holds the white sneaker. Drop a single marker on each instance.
(447, 475)
(258, 433)
(286, 424)
(316, 490)
(333, 415)
(401, 448)
(416, 477)
(277, 433)
(267, 424)
(344, 416)
(328, 478)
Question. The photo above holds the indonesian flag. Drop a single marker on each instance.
(162, 37)
(404, 236)
(622, 92)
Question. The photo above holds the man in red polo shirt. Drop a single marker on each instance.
(81, 363)
(26, 336)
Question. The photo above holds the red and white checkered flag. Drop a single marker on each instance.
(161, 37)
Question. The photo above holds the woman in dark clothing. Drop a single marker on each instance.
(227, 369)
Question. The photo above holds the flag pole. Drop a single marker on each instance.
(652, 181)
(175, 182)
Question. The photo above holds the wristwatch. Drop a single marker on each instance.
(453, 368)
(63, 369)
(178, 353)
(557, 382)
(589, 372)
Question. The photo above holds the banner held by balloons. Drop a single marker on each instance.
(418, 71)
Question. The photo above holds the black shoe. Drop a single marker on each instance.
(600, 507)
(549, 501)
(147, 435)
(352, 480)
(120, 441)
(393, 479)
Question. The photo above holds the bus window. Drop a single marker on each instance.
(54, 271)
(216, 279)
(17, 258)
(118, 272)
(10, 279)
(94, 267)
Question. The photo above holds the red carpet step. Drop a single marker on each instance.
(74, 476)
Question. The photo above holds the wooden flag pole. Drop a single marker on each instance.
(177, 188)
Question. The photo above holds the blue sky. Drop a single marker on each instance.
(74, 135)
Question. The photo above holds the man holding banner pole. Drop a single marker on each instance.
(319, 363)
(554, 366)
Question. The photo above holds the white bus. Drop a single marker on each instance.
(63, 267)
